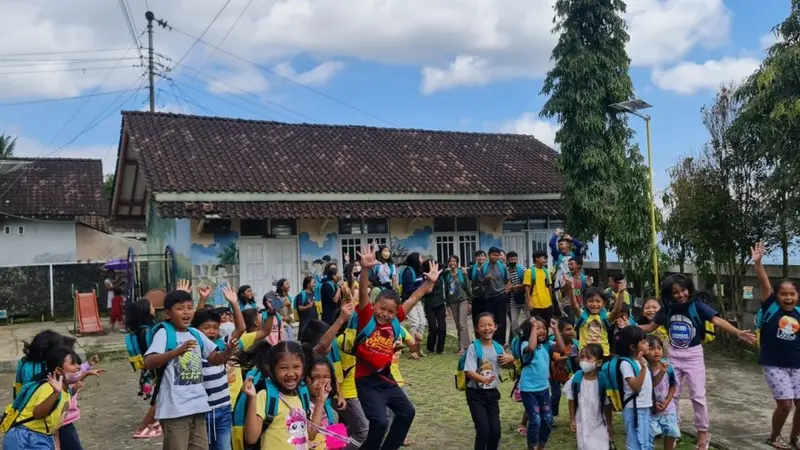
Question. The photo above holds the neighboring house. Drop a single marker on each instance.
(249, 202)
(48, 211)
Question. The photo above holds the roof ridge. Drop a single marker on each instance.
(37, 159)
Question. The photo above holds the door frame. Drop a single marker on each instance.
(296, 283)
(252, 239)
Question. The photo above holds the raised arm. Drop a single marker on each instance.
(757, 252)
(618, 302)
(327, 339)
(559, 339)
(238, 318)
(573, 301)
(368, 261)
(204, 293)
(430, 280)
(554, 244)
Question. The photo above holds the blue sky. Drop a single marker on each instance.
(441, 64)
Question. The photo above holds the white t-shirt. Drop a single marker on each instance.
(592, 432)
(226, 330)
(645, 397)
(109, 283)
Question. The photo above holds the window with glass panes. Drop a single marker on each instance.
(455, 236)
(355, 232)
(529, 235)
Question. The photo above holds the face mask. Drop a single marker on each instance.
(356, 273)
(512, 265)
(588, 366)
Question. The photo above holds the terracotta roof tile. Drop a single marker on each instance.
(180, 153)
(56, 187)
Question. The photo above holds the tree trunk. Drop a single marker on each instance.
(601, 251)
(717, 287)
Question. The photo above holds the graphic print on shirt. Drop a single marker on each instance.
(381, 342)
(188, 368)
(595, 331)
(681, 331)
(296, 427)
(486, 372)
(788, 328)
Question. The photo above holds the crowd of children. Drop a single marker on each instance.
(234, 377)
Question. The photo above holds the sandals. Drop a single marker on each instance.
(150, 432)
(778, 443)
(522, 430)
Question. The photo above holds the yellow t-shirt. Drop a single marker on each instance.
(235, 380)
(50, 424)
(540, 294)
(395, 369)
(594, 332)
(288, 429)
(612, 296)
(349, 370)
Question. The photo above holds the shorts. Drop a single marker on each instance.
(784, 382)
(115, 317)
(665, 425)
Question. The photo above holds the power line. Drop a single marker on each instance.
(43, 61)
(126, 14)
(199, 39)
(77, 69)
(50, 100)
(65, 52)
(228, 33)
(250, 110)
(51, 63)
(267, 69)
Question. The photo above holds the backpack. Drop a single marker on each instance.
(705, 327)
(135, 352)
(614, 383)
(413, 278)
(27, 371)
(500, 266)
(561, 372)
(520, 361)
(353, 337)
(273, 402)
(318, 293)
(12, 411)
(335, 357)
(601, 388)
(461, 376)
(171, 344)
(584, 317)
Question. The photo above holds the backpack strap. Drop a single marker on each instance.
(771, 311)
(577, 378)
(272, 405)
(329, 412)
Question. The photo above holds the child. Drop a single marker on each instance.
(563, 247)
(215, 377)
(411, 280)
(117, 304)
(34, 362)
(287, 430)
(563, 365)
(322, 383)
(287, 312)
(649, 310)
(619, 286)
(397, 376)
(685, 353)
(637, 387)
(385, 271)
(483, 396)
(374, 353)
(587, 399)
(534, 352)
(353, 414)
(593, 325)
(780, 349)
(138, 321)
(458, 295)
(67, 432)
(663, 421)
(177, 352)
(38, 421)
(305, 304)
(436, 313)
(537, 287)
(247, 300)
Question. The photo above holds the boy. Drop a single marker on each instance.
(537, 287)
(495, 290)
(477, 306)
(374, 382)
(563, 247)
(575, 273)
(519, 304)
(181, 399)
(117, 306)
(618, 284)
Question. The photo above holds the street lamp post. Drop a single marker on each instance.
(633, 107)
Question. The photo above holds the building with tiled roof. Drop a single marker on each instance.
(249, 202)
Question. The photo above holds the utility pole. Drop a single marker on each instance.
(150, 71)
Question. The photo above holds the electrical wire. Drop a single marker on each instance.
(50, 100)
(77, 69)
(244, 108)
(199, 39)
(228, 33)
(65, 52)
(129, 22)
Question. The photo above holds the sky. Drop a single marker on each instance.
(67, 68)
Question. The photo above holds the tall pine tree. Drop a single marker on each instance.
(590, 73)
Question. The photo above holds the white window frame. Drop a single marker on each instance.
(7, 230)
(379, 239)
(463, 260)
(21, 230)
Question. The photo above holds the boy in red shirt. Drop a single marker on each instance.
(377, 389)
(117, 304)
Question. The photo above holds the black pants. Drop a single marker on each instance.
(555, 396)
(478, 308)
(376, 394)
(68, 435)
(498, 306)
(437, 327)
(484, 406)
(545, 313)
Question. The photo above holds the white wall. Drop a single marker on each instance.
(41, 242)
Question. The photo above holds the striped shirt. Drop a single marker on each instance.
(215, 382)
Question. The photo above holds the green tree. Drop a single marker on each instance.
(108, 186)
(7, 146)
(590, 73)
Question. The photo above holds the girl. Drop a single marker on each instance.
(67, 433)
(287, 367)
(330, 293)
(411, 280)
(780, 350)
(33, 364)
(587, 413)
(649, 310)
(436, 313)
(483, 396)
(282, 288)
(139, 319)
(534, 383)
(385, 270)
(685, 353)
(458, 295)
(563, 365)
(593, 325)
(321, 383)
(38, 421)
(350, 277)
(305, 303)
(247, 300)
(631, 344)
(663, 421)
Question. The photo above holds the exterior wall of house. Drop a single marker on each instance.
(490, 232)
(39, 242)
(93, 245)
(215, 259)
(411, 235)
(163, 233)
(319, 244)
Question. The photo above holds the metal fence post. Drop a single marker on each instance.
(52, 295)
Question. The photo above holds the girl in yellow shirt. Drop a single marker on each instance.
(594, 321)
(36, 425)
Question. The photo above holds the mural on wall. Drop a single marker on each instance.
(409, 236)
(316, 251)
(174, 233)
(490, 232)
(215, 263)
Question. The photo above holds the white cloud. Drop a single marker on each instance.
(688, 77)
(319, 75)
(245, 80)
(455, 42)
(529, 123)
(769, 39)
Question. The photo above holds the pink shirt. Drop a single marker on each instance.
(72, 413)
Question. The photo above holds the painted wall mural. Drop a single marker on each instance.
(490, 232)
(175, 233)
(316, 251)
(409, 236)
(215, 261)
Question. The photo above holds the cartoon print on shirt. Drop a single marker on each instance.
(188, 368)
(788, 328)
(594, 330)
(487, 372)
(296, 426)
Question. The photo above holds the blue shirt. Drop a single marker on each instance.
(780, 346)
(681, 330)
(535, 376)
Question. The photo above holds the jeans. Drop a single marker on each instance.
(555, 397)
(68, 438)
(219, 423)
(637, 437)
(517, 310)
(498, 307)
(357, 425)
(459, 311)
(540, 418)
(484, 407)
(376, 394)
(437, 327)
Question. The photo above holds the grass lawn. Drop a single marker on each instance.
(443, 420)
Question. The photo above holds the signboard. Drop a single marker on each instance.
(747, 292)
